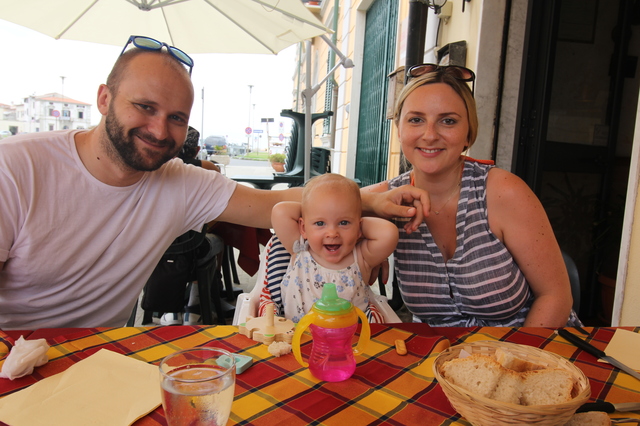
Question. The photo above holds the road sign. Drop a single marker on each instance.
(55, 113)
(257, 131)
(248, 130)
(281, 137)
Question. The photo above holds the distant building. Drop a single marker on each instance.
(52, 111)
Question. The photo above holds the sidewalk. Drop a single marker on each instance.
(239, 167)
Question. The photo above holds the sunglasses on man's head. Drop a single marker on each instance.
(149, 43)
(458, 72)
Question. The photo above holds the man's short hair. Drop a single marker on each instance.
(120, 66)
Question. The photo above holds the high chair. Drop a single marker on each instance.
(248, 304)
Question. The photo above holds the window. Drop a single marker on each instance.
(80, 114)
(51, 112)
(66, 113)
(50, 127)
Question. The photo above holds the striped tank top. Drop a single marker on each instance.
(481, 285)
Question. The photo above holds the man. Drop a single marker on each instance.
(86, 215)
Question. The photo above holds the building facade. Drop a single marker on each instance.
(48, 112)
(557, 95)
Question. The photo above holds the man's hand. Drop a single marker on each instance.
(405, 201)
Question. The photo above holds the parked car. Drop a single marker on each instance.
(211, 142)
(5, 134)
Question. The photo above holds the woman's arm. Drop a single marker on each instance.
(518, 219)
(284, 218)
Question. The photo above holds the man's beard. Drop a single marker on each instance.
(123, 147)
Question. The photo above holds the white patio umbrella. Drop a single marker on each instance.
(195, 26)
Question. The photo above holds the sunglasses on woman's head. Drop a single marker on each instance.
(458, 72)
(149, 43)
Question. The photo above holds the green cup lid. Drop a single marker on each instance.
(331, 303)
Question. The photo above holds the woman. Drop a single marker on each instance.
(485, 254)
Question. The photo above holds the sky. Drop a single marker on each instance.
(33, 63)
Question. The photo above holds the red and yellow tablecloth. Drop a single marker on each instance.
(386, 388)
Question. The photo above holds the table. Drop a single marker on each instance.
(385, 389)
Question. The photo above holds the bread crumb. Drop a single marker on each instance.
(279, 348)
(591, 418)
(401, 347)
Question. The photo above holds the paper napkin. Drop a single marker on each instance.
(625, 347)
(24, 357)
(106, 388)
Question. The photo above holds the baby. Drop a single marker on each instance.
(330, 241)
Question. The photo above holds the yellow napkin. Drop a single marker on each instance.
(625, 346)
(104, 389)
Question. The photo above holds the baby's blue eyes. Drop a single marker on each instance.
(322, 223)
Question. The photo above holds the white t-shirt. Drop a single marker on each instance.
(77, 252)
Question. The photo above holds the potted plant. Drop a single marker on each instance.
(277, 162)
(220, 155)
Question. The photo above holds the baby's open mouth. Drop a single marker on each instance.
(332, 247)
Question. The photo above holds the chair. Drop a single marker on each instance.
(248, 304)
(201, 253)
(222, 161)
(294, 163)
(574, 279)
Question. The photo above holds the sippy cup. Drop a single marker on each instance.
(333, 322)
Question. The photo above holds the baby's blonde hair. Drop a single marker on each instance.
(333, 182)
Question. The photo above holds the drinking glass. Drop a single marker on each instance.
(198, 386)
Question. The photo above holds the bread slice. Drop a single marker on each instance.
(591, 418)
(512, 362)
(509, 387)
(476, 373)
(546, 387)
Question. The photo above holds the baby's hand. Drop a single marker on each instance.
(380, 271)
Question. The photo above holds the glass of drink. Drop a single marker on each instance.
(198, 386)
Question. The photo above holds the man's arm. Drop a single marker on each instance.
(404, 201)
(209, 165)
(252, 207)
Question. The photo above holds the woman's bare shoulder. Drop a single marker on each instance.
(504, 186)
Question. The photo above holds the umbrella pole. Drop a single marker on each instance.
(308, 93)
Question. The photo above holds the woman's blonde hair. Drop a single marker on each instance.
(459, 86)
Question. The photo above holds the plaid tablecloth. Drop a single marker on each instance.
(385, 389)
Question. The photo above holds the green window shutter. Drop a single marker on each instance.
(379, 59)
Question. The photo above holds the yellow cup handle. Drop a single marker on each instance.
(297, 335)
(365, 333)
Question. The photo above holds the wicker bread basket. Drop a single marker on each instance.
(480, 411)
